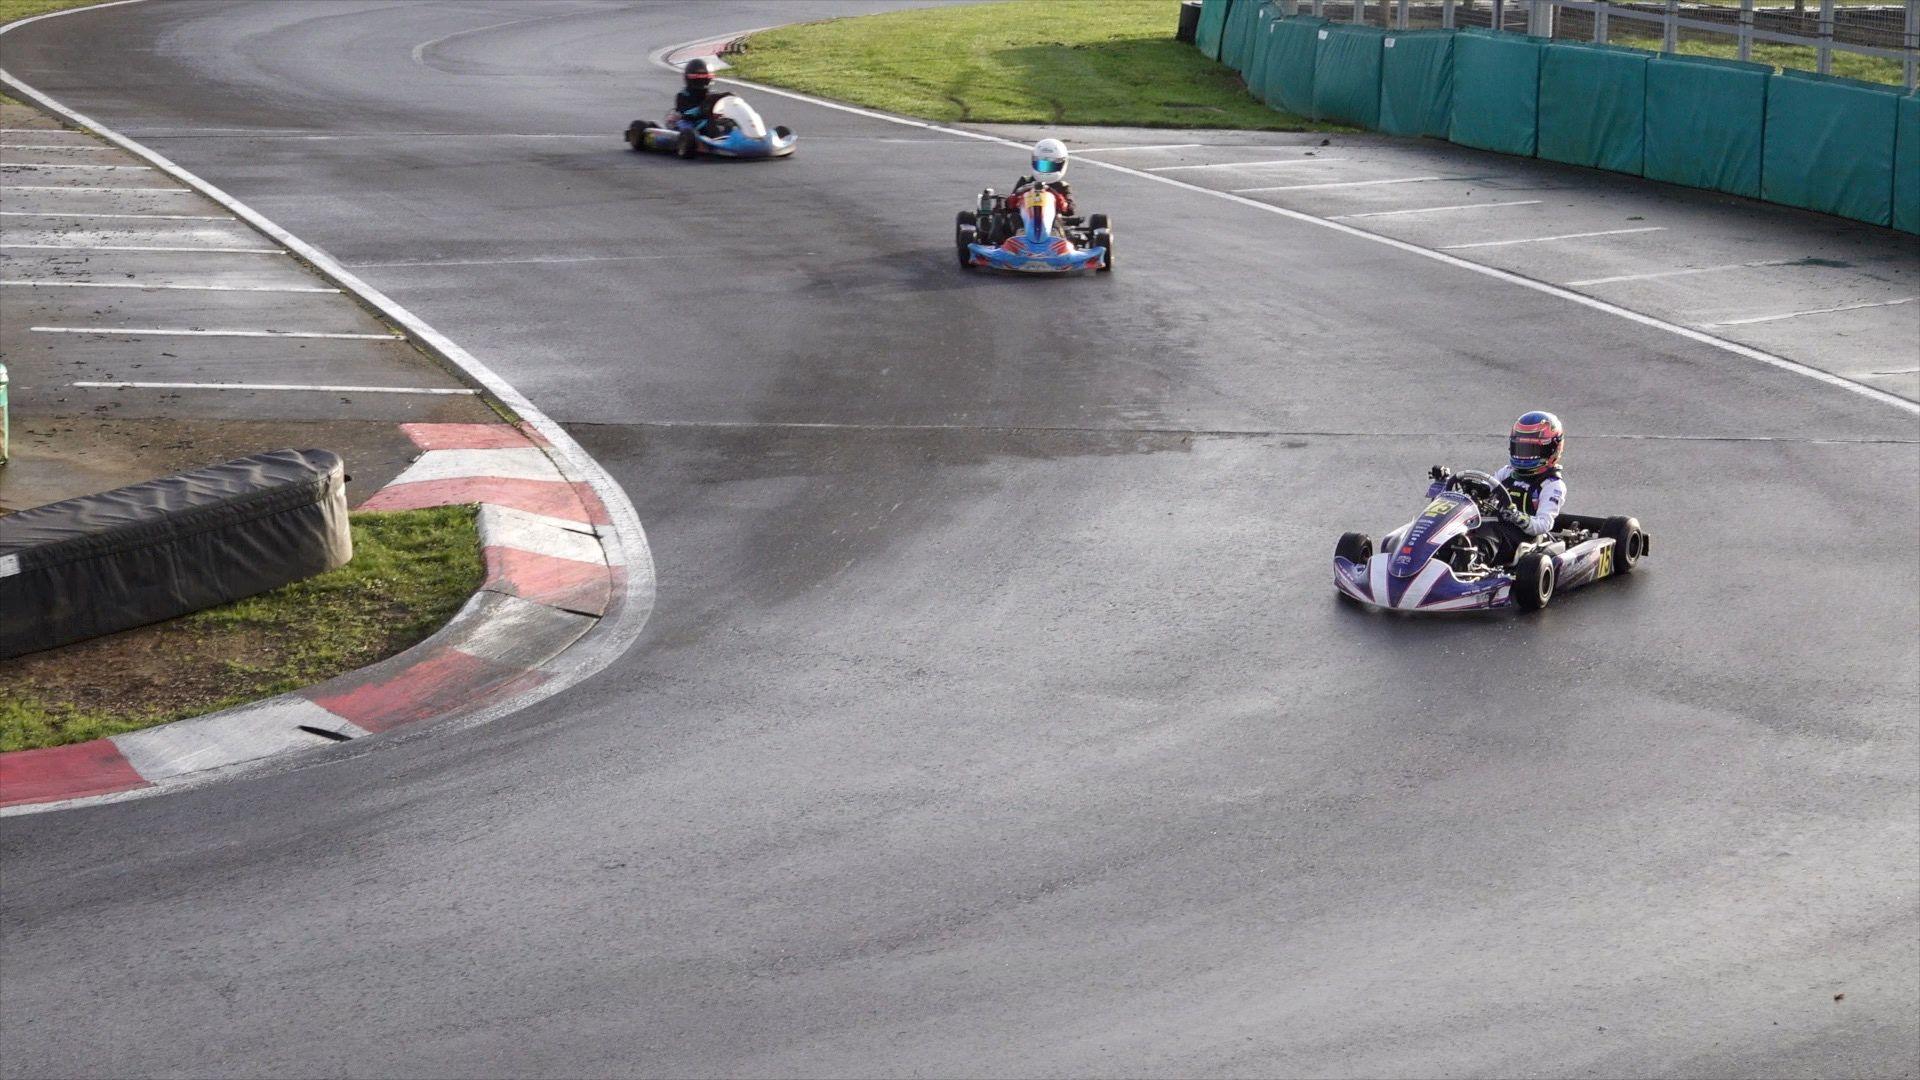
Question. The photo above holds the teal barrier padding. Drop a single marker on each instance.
(1704, 121)
(1496, 91)
(1416, 82)
(1593, 106)
(1256, 73)
(1346, 75)
(1906, 166)
(1235, 47)
(1290, 64)
(1213, 25)
(1829, 146)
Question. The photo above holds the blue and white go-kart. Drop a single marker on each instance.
(1438, 562)
(1024, 232)
(729, 129)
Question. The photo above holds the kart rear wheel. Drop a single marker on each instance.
(1629, 543)
(1533, 581)
(1356, 548)
(965, 227)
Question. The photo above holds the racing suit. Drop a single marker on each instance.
(690, 107)
(1062, 191)
(1538, 497)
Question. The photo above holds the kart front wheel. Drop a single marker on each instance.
(1104, 238)
(1356, 548)
(1629, 543)
(684, 148)
(966, 225)
(1533, 581)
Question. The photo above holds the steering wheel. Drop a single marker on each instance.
(1486, 492)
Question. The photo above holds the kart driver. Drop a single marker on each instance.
(1049, 172)
(691, 103)
(1532, 479)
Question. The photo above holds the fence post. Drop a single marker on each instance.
(1670, 27)
(1824, 51)
(1359, 13)
(1912, 42)
(1600, 21)
(1746, 30)
(1499, 15)
(1446, 12)
(1400, 13)
(1316, 7)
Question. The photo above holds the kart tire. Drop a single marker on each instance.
(1104, 238)
(684, 148)
(1356, 548)
(965, 228)
(783, 131)
(1533, 581)
(1097, 221)
(1629, 543)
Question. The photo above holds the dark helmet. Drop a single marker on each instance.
(697, 74)
(1534, 444)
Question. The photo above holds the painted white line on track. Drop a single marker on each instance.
(172, 288)
(88, 168)
(76, 187)
(1509, 277)
(277, 386)
(1545, 239)
(143, 331)
(135, 217)
(1244, 164)
(1433, 209)
(1680, 273)
(520, 262)
(1814, 311)
(124, 247)
(54, 146)
(1142, 146)
(1342, 184)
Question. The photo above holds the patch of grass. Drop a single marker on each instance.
(411, 570)
(20, 9)
(1799, 57)
(1111, 62)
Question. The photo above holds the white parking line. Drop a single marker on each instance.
(76, 187)
(1814, 311)
(179, 288)
(1143, 146)
(145, 217)
(1544, 239)
(1342, 183)
(1244, 164)
(1433, 209)
(139, 331)
(122, 247)
(88, 168)
(1680, 273)
(276, 386)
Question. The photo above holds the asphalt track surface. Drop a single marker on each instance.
(996, 715)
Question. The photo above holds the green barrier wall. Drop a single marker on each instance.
(1496, 92)
(1346, 75)
(1906, 166)
(1593, 106)
(1236, 46)
(1256, 73)
(1704, 120)
(1290, 64)
(1213, 25)
(1829, 146)
(1416, 82)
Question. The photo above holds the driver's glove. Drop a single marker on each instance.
(1515, 518)
(1439, 474)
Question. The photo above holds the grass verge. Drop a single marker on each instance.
(411, 570)
(20, 9)
(1111, 62)
(1799, 57)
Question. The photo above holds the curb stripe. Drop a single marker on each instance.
(447, 681)
(552, 498)
(465, 436)
(567, 584)
(66, 772)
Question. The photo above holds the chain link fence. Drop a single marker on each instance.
(1874, 41)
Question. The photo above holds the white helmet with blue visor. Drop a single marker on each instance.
(1049, 159)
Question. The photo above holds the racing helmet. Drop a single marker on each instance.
(1534, 444)
(1049, 159)
(697, 74)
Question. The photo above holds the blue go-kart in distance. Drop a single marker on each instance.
(1024, 232)
(1440, 562)
(727, 128)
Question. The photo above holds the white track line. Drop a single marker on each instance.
(1433, 209)
(76, 187)
(119, 247)
(1594, 303)
(135, 217)
(1680, 273)
(1342, 184)
(275, 386)
(1544, 239)
(1814, 311)
(1143, 146)
(521, 262)
(88, 168)
(142, 331)
(53, 146)
(175, 288)
(1243, 164)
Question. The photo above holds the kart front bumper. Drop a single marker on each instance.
(1000, 258)
(1433, 588)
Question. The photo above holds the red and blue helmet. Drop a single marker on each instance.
(1534, 445)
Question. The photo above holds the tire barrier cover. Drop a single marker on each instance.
(1829, 146)
(1416, 82)
(135, 555)
(1290, 64)
(1496, 92)
(1906, 166)
(1346, 75)
(1256, 73)
(1236, 45)
(1593, 106)
(1704, 119)
(1213, 24)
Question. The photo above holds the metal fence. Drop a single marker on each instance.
(1878, 42)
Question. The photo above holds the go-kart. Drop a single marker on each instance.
(1025, 232)
(727, 128)
(1439, 561)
